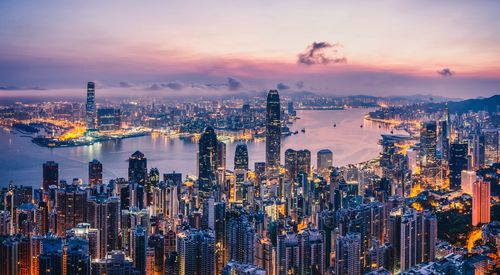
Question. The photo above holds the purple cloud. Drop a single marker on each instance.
(321, 53)
(446, 72)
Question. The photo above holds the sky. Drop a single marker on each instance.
(129, 47)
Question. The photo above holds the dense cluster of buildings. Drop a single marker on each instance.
(279, 217)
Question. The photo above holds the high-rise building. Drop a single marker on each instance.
(109, 119)
(51, 260)
(157, 244)
(77, 257)
(91, 106)
(207, 159)
(457, 163)
(348, 254)
(291, 110)
(324, 160)
(273, 133)
(240, 239)
(70, 208)
(104, 214)
(491, 152)
(50, 174)
(301, 253)
(466, 181)
(428, 140)
(246, 115)
(196, 252)
(478, 149)
(241, 157)
(265, 254)
(95, 173)
(413, 237)
(296, 163)
(481, 202)
(138, 249)
(444, 141)
(138, 168)
(9, 255)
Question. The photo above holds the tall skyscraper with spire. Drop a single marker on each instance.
(90, 107)
(207, 159)
(273, 133)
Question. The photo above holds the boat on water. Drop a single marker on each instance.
(361, 126)
(303, 130)
(334, 125)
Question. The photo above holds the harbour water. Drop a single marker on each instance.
(21, 160)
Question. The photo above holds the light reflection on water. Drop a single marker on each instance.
(22, 160)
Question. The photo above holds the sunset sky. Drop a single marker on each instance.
(449, 48)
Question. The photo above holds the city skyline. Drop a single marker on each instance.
(174, 49)
(249, 137)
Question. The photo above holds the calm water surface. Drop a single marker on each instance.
(21, 161)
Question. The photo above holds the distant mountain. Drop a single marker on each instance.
(489, 104)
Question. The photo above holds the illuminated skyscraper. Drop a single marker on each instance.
(138, 168)
(480, 202)
(70, 207)
(50, 174)
(428, 148)
(324, 160)
(108, 119)
(207, 159)
(241, 157)
(240, 239)
(491, 151)
(413, 237)
(297, 162)
(95, 173)
(348, 254)
(457, 163)
(196, 252)
(467, 179)
(138, 249)
(273, 133)
(91, 107)
(478, 149)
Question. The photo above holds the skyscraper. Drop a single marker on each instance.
(480, 202)
(50, 174)
(77, 257)
(207, 159)
(428, 148)
(297, 162)
(91, 107)
(95, 173)
(138, 168)
(241, 157)
(348, 254)
(467, 179)
(273, 133)
(324, 160)
(457, 163)
(138, 249)
(196, 252)
(413, 236)
(240, 239)
(70, 207)
(491, 152)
